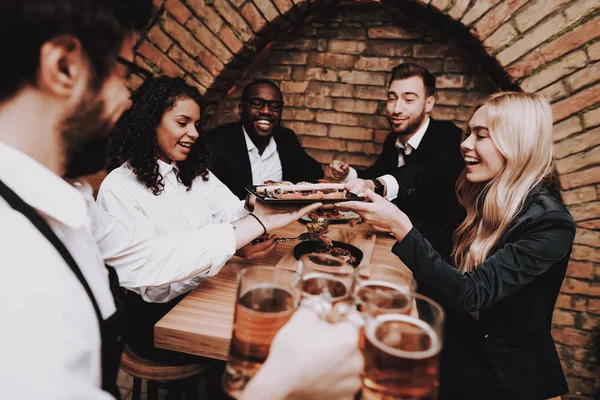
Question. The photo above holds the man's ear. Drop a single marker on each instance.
(429, 103)
(63, 67)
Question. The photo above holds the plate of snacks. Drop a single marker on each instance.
(302, 193)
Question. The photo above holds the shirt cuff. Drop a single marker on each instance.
(352, 174)
(391, 185)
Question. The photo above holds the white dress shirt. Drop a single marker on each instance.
(193, 226)
(265, 166)
(390, 182)
(50, 339)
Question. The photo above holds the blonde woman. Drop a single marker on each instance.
(510, 256)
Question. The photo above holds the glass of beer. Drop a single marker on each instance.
(387, 289)
(266, 299)
(402, 352)
(325, 280)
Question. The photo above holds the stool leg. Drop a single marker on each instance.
(137, 389)
(152, 390)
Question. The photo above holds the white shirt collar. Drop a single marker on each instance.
(164, 168)
(415, 140)
(41, 188)
(270, 149)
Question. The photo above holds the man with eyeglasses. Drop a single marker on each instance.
(257, 148)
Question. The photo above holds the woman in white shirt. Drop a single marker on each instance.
(159, 174)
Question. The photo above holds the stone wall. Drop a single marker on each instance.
(545, 46)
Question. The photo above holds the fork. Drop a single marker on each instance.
(302, 236)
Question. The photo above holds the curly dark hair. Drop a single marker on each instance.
(134, 139)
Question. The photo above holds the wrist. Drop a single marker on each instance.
(377, 186)
(264, 386)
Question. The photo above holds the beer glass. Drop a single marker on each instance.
(402, 352)
(266, 299)
(388, 289)
(325, 278)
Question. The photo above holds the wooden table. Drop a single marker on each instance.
(201, 323)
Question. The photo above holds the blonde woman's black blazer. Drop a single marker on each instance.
(514, 290)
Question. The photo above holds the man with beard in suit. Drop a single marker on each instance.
(420, 160)
(257, 148)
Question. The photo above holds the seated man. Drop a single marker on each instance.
(420, 160)
(258, 148)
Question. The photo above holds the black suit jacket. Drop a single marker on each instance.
(515, 291)
(231, 163)
(426, 183)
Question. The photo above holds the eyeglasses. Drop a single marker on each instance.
(134, 69)
(258, 103)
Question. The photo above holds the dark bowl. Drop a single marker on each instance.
(316, 247)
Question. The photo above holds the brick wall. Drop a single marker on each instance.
(334, 71)
(545, 46)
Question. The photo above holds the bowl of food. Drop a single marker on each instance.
(329, 253)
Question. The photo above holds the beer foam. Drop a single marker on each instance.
(295, 295)
(436, 344)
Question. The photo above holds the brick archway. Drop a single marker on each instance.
(550, 47)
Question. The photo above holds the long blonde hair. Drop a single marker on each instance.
(520, 125)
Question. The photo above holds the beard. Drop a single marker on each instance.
(85, 135)
(412, 124)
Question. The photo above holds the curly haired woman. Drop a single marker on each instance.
(510, 256)
(159, 178)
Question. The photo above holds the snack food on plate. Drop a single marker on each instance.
(302, 191)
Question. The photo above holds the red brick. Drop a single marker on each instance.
(580, 386)
(535, 11)
(444, 113)
(354, 133)
(440, 4)
(155, 56)
(580, 270)
(210, 41)
(591, 224)
(355, 147)
(575, 303)
(253, 16)
(195, 69)
(577, 143)
(451, 81)
(496, 17)
(384, 64)
(571, 40)
(591, 118)
(581, 212)
(500, 37)
(570, 336)
(584, 77)
(267, 8)
(307, 128)
(578, 161)
(361, 160)
(380, 135)
(566, 128)
(586, 253)
(182, 36)
(429, 50)
(579, 195)
(594, 51)
(231, 41)
(565, 66)
(579, 9)
(278, 72)
(575, 102)
(371, 92)
(211, 63)
(561, 317)
(459, 8)
(159, 38)
(346, 46)
(594, 306)
(590, 322)
(178, 10)
(293, 87)
(577, 179)
(207, 14)
(301, 100)
(479, 8)
(191, 81)
(554, 92)
(321, 74)
(299, 73)
(315, 142)
(372, 148)
(332, 60)
(299, 114)
(283, 6)
(363, 78)
(526, 64)
(355, 106)
(238, 24)
(389, 49)
(392, 32)
(324, 157)
(288, 58)
(373, 121)
(304, 44)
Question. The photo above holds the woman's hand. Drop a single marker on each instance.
(380, 213)
(258, 250)
(275, 217)
(310, 359)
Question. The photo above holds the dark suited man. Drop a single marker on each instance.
(258, 148)
(420, 160)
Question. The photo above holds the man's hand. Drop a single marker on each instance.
(258, 250)
(310, 359)
(358, 186)
(339, 170)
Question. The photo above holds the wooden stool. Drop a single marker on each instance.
(179, 378)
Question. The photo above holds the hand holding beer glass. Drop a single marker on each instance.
(402, 350)
(266, 299)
